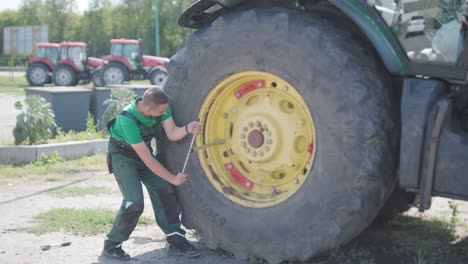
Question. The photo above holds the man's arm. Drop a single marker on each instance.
(157, 168)
(175, 133)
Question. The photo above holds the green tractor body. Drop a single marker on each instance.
(317, 117)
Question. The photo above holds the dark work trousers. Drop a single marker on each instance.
(130, 172)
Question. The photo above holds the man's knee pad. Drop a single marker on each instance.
(129, 218)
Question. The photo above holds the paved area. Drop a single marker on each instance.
(15, 74)
(8, 115)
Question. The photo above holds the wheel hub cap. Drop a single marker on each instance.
(267, 135)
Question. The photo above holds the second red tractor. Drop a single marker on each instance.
(127, 62)
(75, 65)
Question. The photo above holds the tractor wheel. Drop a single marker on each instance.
(298, 147)
(37, 74)
(114, 73)
(158, 77)
(64, 75)
(96, 78)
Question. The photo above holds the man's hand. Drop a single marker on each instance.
(179, 179)
(193, 128)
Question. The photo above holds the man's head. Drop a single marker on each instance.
(155, 102)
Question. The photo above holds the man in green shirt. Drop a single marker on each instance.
(130, 159)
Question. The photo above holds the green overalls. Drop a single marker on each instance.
(130, 172)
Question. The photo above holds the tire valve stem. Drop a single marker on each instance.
(296, 181)
(273, 190)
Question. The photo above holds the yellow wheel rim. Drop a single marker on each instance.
(257, 143)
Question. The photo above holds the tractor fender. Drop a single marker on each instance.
(41, 61)
(362, 14)
(154, 61)
(69, 64)
(116, 59)
(95, 62)
(153, 69)
(378, 33)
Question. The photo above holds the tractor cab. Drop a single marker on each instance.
(431, 33)
(48, 51)
(128, 51)
(74, 54)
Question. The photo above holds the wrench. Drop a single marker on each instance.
(47, 247)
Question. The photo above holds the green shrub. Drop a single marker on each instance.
(119, 98)
(36, 121)
(18, 60)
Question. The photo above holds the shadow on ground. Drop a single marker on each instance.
(403, 240)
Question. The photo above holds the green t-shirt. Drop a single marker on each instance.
(126, 130)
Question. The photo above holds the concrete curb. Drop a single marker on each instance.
(69, 150)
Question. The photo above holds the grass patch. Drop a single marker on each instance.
(404, 239)
(86, 222)
(13, 87)
(53, 169)
(79, 191)
(76, 136)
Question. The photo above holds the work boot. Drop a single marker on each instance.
(179, 246)
(116, 253)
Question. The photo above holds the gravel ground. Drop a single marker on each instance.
(20, 201)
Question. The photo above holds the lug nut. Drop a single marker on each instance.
(266, 149)
(269, 141)
(257, 123)
(245, 129)
(247, 150)
(243, 144)
(260, 153)
(268, 133)
(254, 154)
(225, 115)
(242, 136)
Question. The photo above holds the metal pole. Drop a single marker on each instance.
(156, 26)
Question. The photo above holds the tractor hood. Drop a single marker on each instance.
(153, 61)
(95, 62)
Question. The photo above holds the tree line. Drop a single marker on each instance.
(102, 21)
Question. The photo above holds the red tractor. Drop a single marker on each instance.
(126, 62)
(74, 65)
(40, 66)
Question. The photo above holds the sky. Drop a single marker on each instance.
(14, 4)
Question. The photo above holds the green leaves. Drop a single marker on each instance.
(35, 122)
(119, 98)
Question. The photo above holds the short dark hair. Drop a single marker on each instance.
(155, 96)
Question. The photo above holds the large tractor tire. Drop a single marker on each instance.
(64, 75)
(114, 73)
(96, 78)
(158, 77)
(38, 74)
(298, 147)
